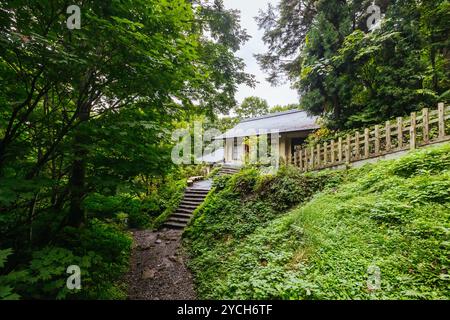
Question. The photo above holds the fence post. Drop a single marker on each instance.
(305, 163)
(388, 135)
(426, 125)
(305, 159)
(295, 156)
(441, 120)
(325, 156)
(400, 132)
(347, 150)
(357, 147)
(332, 152)
(366, 143)
(318, 155)
(300, 160)
(340, 149)
(412, 131)
(312, 158)
(377, 140)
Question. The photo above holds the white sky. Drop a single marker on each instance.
(280, 95)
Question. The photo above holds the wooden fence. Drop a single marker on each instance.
(419, 130)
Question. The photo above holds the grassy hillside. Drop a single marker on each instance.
(246, 241)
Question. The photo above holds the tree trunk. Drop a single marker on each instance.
(433, 65)
(77, 215)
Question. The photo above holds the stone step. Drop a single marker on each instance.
(228, 169)
(191, 203)
(198, 195)
(191, 209)
(178, 220)
(175, 225)
(194, 200)
(181, 215)
(197, 190)
(182, 210)
(187, 207)
(195, 195)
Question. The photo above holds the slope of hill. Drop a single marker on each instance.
(377, 232)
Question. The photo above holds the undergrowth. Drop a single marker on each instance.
(394, 216)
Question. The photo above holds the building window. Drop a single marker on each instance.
(235, 149)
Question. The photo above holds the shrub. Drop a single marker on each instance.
(238, 207)
(8, 281)
(100, 250)
(423, 162)
(174, 196)
(220, 182)
(244, 181)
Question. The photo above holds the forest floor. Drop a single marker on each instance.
(157, 268)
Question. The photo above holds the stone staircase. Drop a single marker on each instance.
(193, 197)
(227, 169)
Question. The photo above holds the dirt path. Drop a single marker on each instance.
(157, 269)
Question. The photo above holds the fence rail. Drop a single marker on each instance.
(427, 127)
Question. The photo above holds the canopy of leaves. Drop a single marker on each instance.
(90, 111)
(252, 107)
(354, 77)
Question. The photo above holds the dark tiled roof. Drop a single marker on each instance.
(287, 121)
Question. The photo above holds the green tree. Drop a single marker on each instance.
(91, 111)
(280, 108)
(66, 81)
(252, 107)
(351, 76)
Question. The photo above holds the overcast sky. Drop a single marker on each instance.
(280, 95)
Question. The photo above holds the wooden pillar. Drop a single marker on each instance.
(305, 160)
(319, 156)
(340, 149)
(300, 160)
(412, 132)
(332, 152)
(388, 136)
(441, 120)
(306, 163)
(348, 149)
(377, 140)
(366, 143)
(357, 146)
(400, 132)
(426, 125)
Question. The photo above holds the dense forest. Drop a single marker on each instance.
(86, 117)
(86, 123)
(354, 77)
